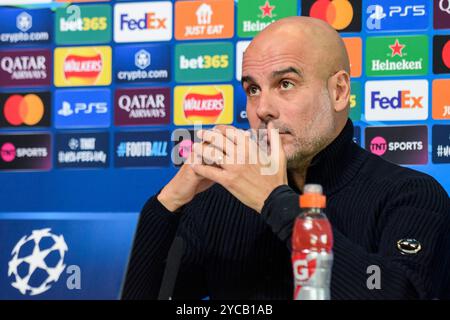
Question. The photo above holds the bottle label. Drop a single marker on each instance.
(312, 275)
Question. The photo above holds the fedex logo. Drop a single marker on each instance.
(404, 99)
(149, 21)
(143, 21)
(396, 100)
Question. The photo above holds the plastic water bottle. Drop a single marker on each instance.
(312, 243)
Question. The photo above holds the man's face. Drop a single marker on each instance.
(284, 86)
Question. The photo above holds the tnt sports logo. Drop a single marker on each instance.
(204, 19)
(28, 109)
(342, 15)
(383, 15)
(37, 262)
(204, 62)
(401, 145)
(25, 151)
(8, 152)
(83, 24)
(203, 105)
(143, 22)
(82, 66)
(142, 149)
(396, 100)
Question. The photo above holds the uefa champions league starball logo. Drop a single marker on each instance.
(37, 262)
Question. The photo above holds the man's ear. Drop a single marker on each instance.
(339, 88)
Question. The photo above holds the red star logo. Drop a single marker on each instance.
(266, 9)
(397, 49)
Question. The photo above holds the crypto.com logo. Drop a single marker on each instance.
(258, 149)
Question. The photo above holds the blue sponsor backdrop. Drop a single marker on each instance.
(99, 243)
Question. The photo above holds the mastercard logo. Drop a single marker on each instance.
(446, 54)
(19, 110)
(8, 152)
(338, 13)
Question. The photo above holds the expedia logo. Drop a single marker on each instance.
(83, 66)
(203, 104)
(396, 100)
(29, 109)
(25, 151)
(401, 145)
(342, 15)
(142, 106)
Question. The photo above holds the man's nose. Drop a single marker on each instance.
(266, 108)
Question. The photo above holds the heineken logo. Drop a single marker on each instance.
(255, 15)
(397, 48)
(397, 56)
(266, 10)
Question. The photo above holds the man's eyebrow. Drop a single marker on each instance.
(247, 79)
(281, 72)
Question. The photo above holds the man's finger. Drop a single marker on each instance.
(217, 139)
(209, 172)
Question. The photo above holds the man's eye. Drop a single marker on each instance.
(286, 84)
(252, 90)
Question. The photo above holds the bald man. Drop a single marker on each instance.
(236, 221)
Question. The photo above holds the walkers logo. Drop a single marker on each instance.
(342, 15)
(355, 101)
(255, 15)
(241, 46)
(83, 24)
(203, 105)
(398, 15)
(401, 145)
(82, 108)
(82, 150)
(25, 109)
(142, 149)
(204, 19)
(149, 106)
(82, 66)
(441, 144)
(441, 99)
(18, 26)
(396, 100)
(148, 63)
(442, 14)
(25, 68)
(395, 56)
(143, 21)
(354, 50)
(208, 62)
(25, 152)
(441, 54)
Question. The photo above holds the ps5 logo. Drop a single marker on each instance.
(377, 14)
(81, 107)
